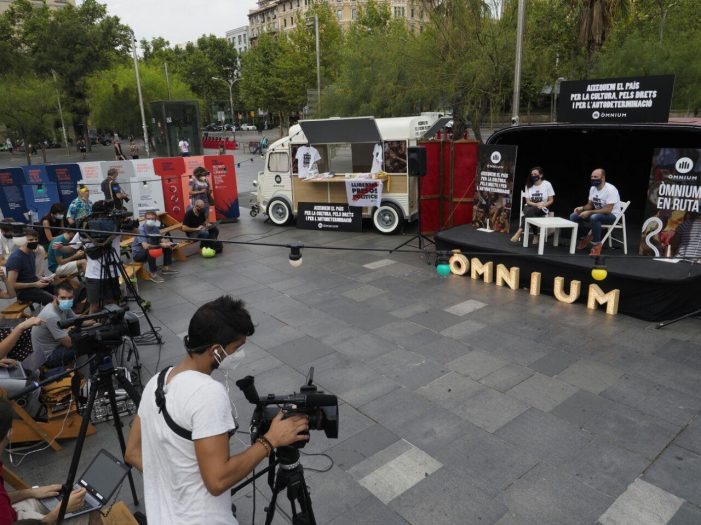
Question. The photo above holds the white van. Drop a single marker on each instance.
(346, 147)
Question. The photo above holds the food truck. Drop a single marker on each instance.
(314, 162)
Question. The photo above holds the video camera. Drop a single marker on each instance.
(102, 225)
(105, 336)
(322, 409)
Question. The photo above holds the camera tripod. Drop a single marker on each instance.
(100, 380)
(290, 476)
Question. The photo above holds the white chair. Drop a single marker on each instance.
(620, 223)
(521, 205)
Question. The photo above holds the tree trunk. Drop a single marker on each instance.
(27, 151)
(43, 152)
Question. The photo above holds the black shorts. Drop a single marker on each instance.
(102, 289)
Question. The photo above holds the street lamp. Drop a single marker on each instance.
(141, 99)
(517, 68)
(60, 112)
(230, 82)
(318, 67)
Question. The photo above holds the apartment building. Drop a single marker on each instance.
(239, 38)
(54, 4)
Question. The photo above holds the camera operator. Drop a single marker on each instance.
(101, 280)
(112, 190)
(187, 478)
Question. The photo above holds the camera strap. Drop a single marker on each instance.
(161, 404)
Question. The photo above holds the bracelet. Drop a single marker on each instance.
(268, 446)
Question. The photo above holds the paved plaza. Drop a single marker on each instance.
(460, 402)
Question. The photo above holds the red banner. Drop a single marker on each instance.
(223, 180)
(173, 177)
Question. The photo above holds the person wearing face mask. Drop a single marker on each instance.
(180, 437)
(148, 239)
(199, 189)
(52, 345)
(540, 195)
(50, 223)
(603, 207)
(196, 225)
(22, 274)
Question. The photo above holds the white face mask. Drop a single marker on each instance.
(151, 222)
(227, 364)
(58, 217)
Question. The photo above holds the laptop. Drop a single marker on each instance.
(100, 480)
(15, 372)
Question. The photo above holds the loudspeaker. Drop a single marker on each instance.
(416, 161)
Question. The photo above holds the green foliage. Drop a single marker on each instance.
(113, 97)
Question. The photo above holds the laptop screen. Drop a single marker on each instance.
(104, 474)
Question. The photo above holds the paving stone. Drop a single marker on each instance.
(690, 437)
(275, 338)
(581, 407)
(396, 408)
(506, 377)
(462, 330)
(406, 334)
(590, 375)
(476, 364)
(363, 293)
(677, 470)
(545, 436)
(685, 353)
(633, 430)
(554, 362)
(362, 394)
(365, 346)
(435, 429)
(370, 511)
(450, 390)
(686, 515)
(407, 368)
(490, 409)
(361, 446)
(642, 504)
(485, 460)
(435, 319)
(442, 350)
(327, 487)
(399, 474)
(542, 392)
(298, 352)
(606, 467)
(379, 458)
(547, 496)
(445, 498)
(375, 265)
(465, 307)
(410, 310)
(508, 347)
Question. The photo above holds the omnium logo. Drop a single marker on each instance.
(684, 165)
(495, 157)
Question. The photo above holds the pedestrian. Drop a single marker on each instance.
(118, 153)
(133, 149)
(82, 148)
(184, 147)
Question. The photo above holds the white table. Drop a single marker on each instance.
(553, 223)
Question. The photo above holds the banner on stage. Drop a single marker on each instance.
(363, 193)
(494, 186)
(334, 217)
(616, 100)
(673, 213)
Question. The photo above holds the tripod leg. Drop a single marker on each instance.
(106, 378)
(297, 492)
(126, 385)
(72, 471)
(270, 512)
(681, 318)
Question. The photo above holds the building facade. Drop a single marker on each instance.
(54, 4)
(282, 15)
(239, 38)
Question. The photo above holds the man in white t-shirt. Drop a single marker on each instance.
(603, 207)
(188, 469)
(184, 147)
(307, 157)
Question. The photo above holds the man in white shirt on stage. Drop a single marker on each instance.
(603, 207)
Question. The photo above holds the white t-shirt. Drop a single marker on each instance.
(184, 146)
(607, 195)
(377, 157)
(93, 267)
(174, 491)
(541, 192)
(306, 157)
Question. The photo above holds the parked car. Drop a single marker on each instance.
(213, 127)
(248, 127)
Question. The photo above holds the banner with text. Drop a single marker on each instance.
(616, 100)
(494, 186)
(673, 224)
(363, 192)
(334, 217)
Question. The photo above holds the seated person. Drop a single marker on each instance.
(22, 272)
(16, 345)
(63, 259)
(149, 237)
(540, 195)
(51, 222)
(9, 240)
(53, 346)
(80, 208)
(195, 225)
(603, 207)
(24, 504)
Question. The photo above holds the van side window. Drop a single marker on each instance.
(278, 162)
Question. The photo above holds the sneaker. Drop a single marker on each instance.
(157, 278)
(596, 250)
(584, 242)
(169, 270)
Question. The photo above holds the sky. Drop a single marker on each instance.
(180, 21)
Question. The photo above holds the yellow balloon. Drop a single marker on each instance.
(599, 274)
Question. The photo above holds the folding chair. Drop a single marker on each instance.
(521, 204)
(620, 223)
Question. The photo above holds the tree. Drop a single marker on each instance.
(28, 108)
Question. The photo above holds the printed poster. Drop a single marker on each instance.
(363, 192)
(494, 186)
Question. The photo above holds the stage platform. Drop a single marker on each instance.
(651, 289)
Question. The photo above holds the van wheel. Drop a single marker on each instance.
(387, 218)
(279, 212)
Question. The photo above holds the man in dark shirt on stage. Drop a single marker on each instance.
(196, 225)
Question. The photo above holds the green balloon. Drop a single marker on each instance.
(443, 269)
